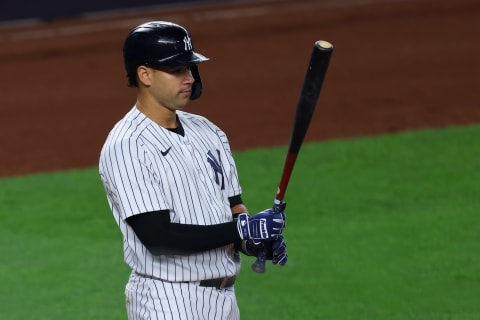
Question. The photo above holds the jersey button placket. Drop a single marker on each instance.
(190, 154)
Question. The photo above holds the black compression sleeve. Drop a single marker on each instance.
(162, 237)
(235, 200)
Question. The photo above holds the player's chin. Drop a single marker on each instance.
(184, 98)
(182, 102)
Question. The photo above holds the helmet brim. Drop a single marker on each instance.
(184, 59)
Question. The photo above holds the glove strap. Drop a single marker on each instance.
(242, 226)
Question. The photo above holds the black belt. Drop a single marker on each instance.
(219, 283)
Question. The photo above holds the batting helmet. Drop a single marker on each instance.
(161, 44)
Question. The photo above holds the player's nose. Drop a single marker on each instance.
(189, 76)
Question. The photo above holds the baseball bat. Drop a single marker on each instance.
(314, 77)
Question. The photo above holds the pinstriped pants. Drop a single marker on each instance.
(152, 299)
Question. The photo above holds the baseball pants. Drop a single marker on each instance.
(152, 299)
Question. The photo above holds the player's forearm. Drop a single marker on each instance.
(161, 237)
(239, 208)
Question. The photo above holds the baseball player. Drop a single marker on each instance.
(173, 188)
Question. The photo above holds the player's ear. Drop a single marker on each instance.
(144, 75)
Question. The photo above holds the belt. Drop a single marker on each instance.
(219, 283)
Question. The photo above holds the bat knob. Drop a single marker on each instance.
(259, 265)
(279, 205)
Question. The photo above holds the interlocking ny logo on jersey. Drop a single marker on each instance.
(217, 168)
(188, 43)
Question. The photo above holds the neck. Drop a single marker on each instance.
(159, 114)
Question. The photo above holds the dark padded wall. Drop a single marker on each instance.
(50, 9)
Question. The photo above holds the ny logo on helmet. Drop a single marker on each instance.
(188, 43)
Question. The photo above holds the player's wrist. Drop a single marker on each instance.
(242, 226)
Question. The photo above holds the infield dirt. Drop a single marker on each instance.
(396, 66)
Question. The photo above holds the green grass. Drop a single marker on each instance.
(60, 249)
(378, 228)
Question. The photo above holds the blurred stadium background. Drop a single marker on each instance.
(32, 11)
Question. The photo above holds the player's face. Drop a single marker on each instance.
(172, 87)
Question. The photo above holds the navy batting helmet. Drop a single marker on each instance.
(161, 44)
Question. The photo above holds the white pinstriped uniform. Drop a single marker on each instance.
(144, 168)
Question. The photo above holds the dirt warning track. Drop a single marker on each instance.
(397, 65)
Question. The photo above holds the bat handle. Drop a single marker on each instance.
(259, 265)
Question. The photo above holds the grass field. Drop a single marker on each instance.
(378, 228)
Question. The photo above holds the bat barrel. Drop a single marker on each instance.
(323, 45)
(312, 84)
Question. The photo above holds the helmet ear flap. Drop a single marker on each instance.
(197, 85)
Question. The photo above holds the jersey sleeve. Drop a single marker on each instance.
(233, 182)
(130, 185)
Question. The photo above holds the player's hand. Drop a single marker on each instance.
(280, 255)
(264, 226)
(276, 250)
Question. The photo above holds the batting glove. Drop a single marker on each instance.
(266, 225)
(280, 255)
(276, 250)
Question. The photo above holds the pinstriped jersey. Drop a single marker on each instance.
(145, 167)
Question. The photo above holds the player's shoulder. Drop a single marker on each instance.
(129, 128)
(188, 118)
(133, 122)
(191, 116)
